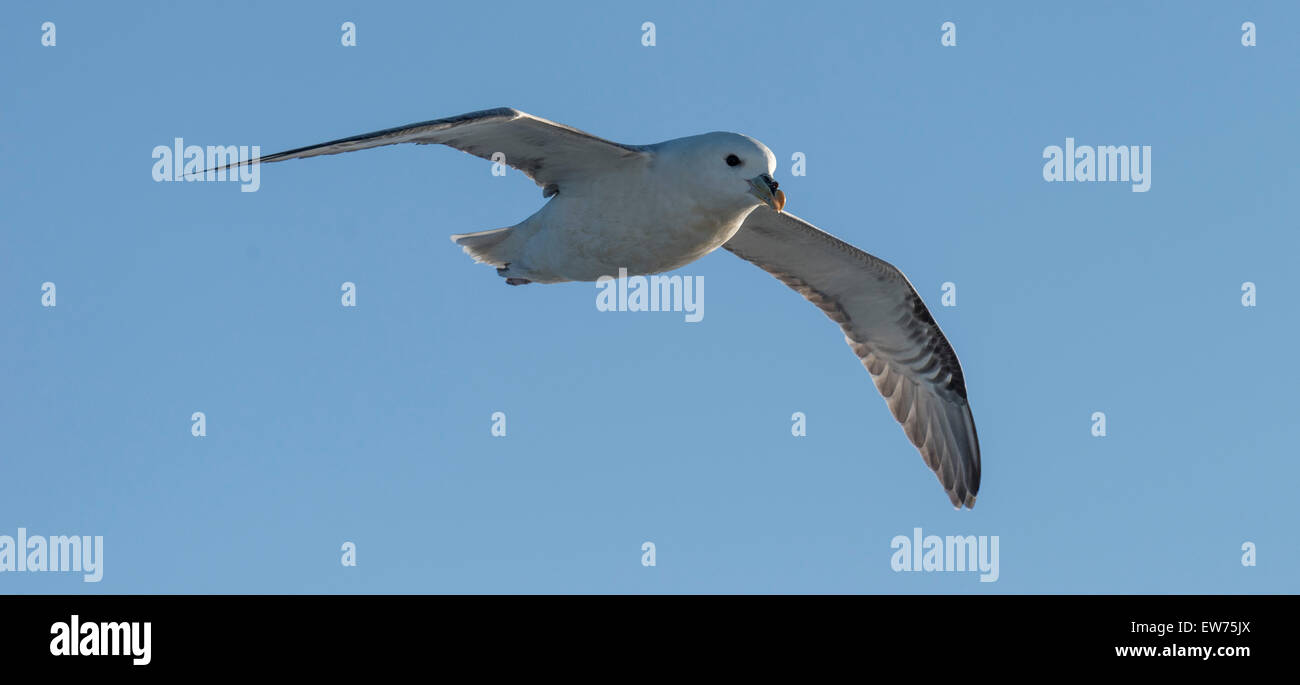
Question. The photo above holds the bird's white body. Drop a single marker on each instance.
(656, 213)
(575, 239)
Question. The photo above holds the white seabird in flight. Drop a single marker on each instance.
(653, 208)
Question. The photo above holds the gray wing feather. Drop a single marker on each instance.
(888, 326)
(549, 153)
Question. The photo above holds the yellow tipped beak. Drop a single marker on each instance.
(764, 188)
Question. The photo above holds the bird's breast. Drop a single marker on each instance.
(584, 240)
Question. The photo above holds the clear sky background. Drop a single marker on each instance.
(372, 425)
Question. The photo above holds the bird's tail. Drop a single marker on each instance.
(489, 247)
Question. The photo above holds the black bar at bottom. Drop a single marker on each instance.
(206, 634)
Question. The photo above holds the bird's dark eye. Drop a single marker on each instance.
(733, 160)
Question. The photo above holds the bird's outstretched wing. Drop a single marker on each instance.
(549, 153)
(888, 327)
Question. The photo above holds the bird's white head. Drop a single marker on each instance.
(728, 166)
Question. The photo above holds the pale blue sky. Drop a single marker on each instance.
(371, 424)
